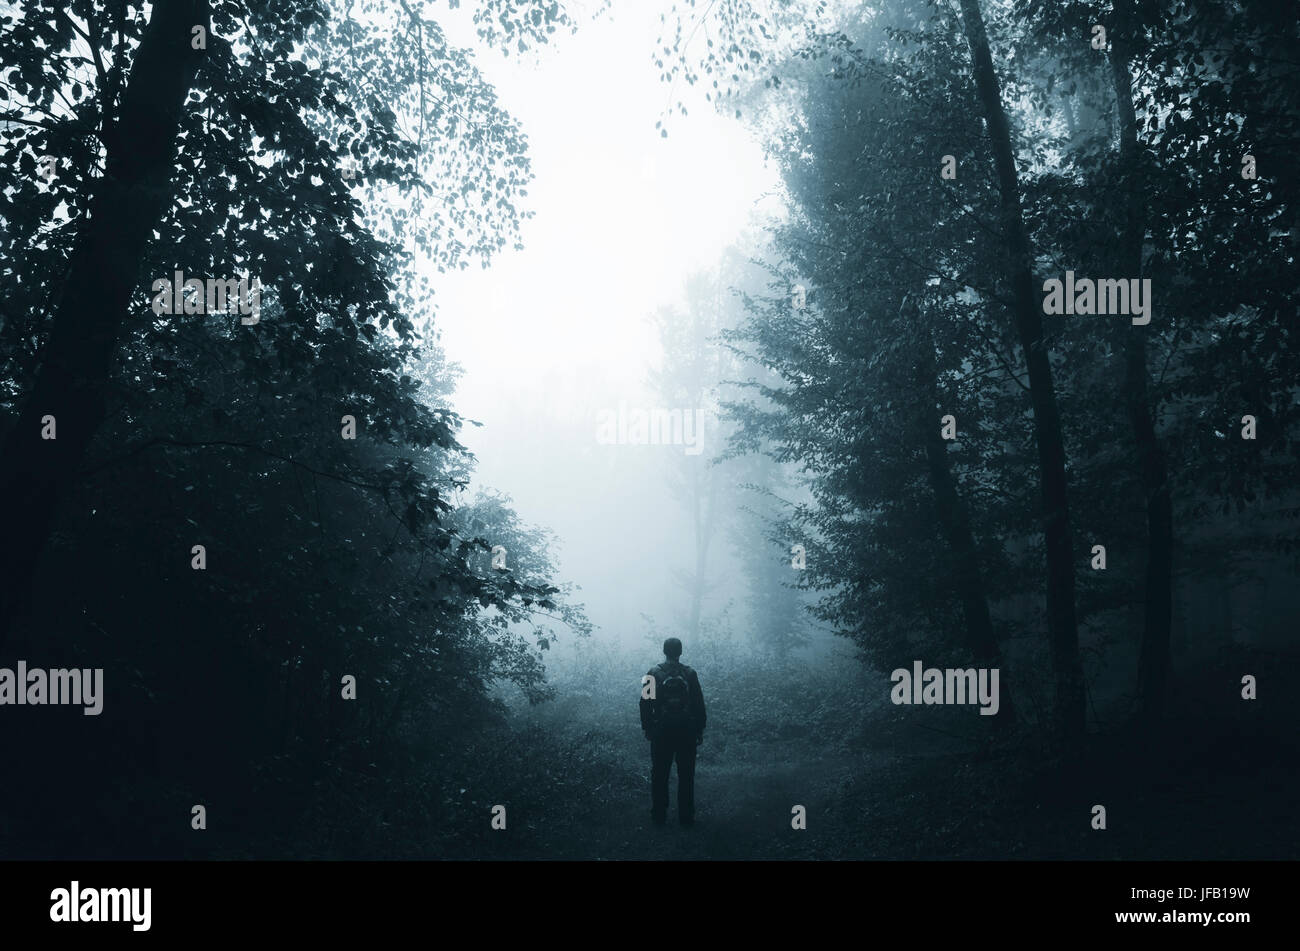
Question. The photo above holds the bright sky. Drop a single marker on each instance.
(623, 216)
(551, 335)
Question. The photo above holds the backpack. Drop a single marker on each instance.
(673, 698)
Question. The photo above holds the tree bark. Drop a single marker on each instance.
(1153, 663)
(76, 363)
(954, 520)
(1061, 619)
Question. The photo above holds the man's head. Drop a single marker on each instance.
(672, 648)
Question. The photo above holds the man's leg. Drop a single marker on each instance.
(686, 780)
(661, 761)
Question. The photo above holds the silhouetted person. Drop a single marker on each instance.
(674, 724)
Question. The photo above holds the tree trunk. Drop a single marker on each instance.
(1061, 620)
(72, 384)
(704, 524)
(1153, 664)
(955, 522)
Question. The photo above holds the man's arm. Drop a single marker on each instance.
(646, 705)
(700, 716)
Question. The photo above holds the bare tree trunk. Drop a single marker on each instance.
(72, 384)
(1061, 620)
(954, 520)
(1153, 664)
(704, 525)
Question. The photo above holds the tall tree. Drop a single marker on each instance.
(295, 117)
(687, 381)
(1170, 210)
(1153, 668)
(1062, 623)
(70, 390)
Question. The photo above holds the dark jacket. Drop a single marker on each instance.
(659, 672)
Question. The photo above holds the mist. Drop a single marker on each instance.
(680, 430)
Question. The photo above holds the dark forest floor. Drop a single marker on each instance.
(895, 783)
(877, 782)
(884, 783)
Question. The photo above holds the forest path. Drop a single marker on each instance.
(744, 796)
(743, 809)
(894, 789)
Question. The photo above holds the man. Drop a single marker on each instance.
(672, 717)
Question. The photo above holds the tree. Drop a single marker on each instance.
(1166, 212)
(1062, 623)
(219, 131)
(102, 270)
(265, 506)
(693, 365)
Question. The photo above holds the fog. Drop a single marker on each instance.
(581, 328)
(552, 335)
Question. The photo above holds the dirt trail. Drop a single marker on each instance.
(908, 795)
(743, 810)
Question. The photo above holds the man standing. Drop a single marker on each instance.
(672, 717)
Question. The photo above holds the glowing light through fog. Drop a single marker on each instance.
(623, 216)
